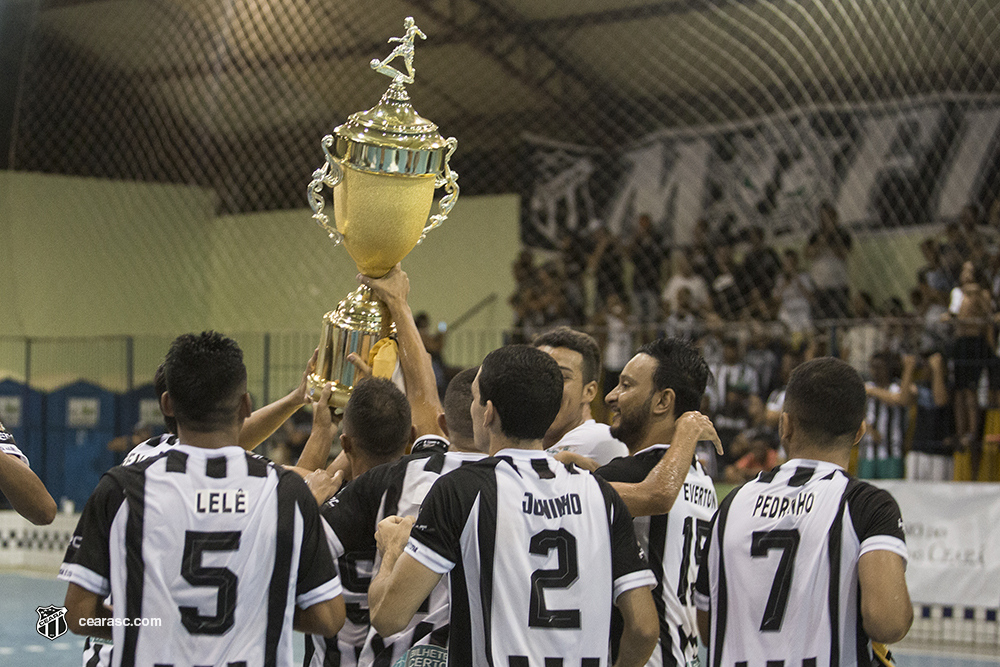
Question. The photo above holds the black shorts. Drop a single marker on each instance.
(972, 355)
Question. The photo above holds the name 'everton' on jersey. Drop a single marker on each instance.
(673, 543)
(219, 545)
(779, 575)
(351, 518)
(512, 530)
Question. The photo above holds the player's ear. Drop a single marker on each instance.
(663, 402)
(784, 426)
(346, 444)
(246, 406)
(443, 424)
(861, 432)
(166, 406)
(489, 414)
(590, 391)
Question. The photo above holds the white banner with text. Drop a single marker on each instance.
(953, 537)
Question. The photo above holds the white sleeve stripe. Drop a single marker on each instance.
(885, 543)
(322, 593)
(701, 602)
(633, 580)
(85, 578)
(429, 558)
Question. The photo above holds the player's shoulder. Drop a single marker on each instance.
(9, 446)
(150, 448)
(632, 468)
(861, 493)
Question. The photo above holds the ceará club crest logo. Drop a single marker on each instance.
(51, 622)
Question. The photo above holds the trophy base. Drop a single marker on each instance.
(353, 327)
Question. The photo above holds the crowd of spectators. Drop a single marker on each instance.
(757, 309)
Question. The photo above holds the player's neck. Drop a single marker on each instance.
(656, 434)
(812, 452)
(552, 438)
(499, 442)
(227, 437)
(463, 446)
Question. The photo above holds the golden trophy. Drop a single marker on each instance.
(383, 166)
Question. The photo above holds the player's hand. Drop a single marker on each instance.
(579, 460)
(909, 361)
(364, 370)
(324, 485)
(936, 361)
(392, 533)
(324, 418)
(695, 425)
(301, 392)
(392, 289)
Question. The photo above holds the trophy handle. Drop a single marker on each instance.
(329, 174)
(449, 179)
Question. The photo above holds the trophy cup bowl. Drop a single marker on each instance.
(383, 166)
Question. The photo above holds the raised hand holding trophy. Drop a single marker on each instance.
(383, 166)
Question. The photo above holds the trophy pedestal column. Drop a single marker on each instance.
(354, 326)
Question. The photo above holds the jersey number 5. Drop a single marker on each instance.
(195, 544)
(563, 576)
(761, 542)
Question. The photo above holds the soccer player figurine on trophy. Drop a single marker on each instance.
(383, 166)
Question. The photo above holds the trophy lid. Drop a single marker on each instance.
(391, 137)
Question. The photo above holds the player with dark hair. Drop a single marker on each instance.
(804, 564)
(202, 526)
(511, 531)
(257, 427)
(574, 429)
(654, 410)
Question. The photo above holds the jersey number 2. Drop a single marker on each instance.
(563, 576)
(761, 542)
(195, 544)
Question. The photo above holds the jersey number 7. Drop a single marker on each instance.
(762, 541)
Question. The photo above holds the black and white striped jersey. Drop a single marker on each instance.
(779, 576)
(219, 545)
(97, 652)
(673, 544)
(9, 446)
(512, 530)
(351, 518)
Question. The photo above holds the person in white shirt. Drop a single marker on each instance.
(574, 429)
(686, 277)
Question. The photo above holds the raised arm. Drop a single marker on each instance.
(266, 420)
(26, 493)
(393, 289)
(656, 494)
(317, 448)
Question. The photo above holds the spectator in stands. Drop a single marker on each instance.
(573, 255)
(685, 321)
(793, 292)
(973, 239)
(646, 252)
(953, 252)
(930, 310)
(971, 311)
(727, 295)
(701, 254)
(827, 252)
(606, 264)
(732, 371)
(761, 264)
(930, 456)
(880, 451)
(686, 278)
(863, 337)
(614, 325)
(761, 356)
(934, 273)
(754, 451)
